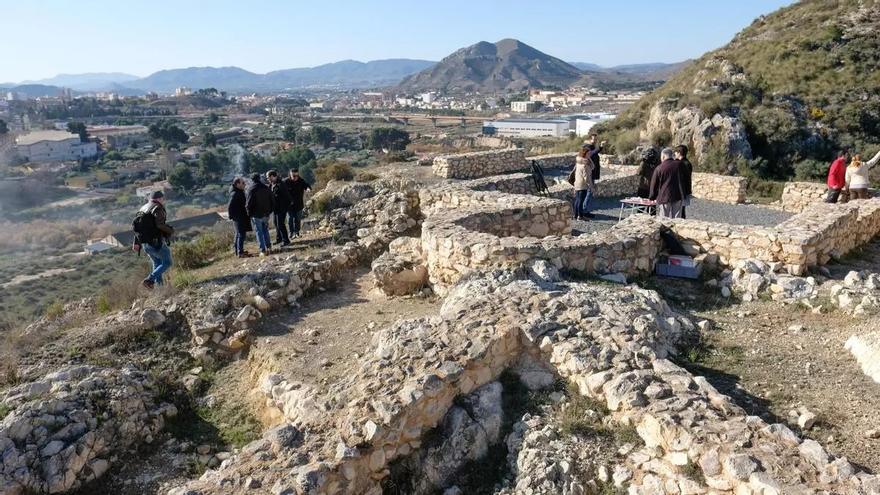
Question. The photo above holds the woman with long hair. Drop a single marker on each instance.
(857, 176)
(583, 183)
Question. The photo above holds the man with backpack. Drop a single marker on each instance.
(258, 203)
(592, 154)
(152, 235)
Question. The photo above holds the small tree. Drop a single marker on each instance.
(78, 128)
(168, 132)
(388, 138)
(209, 139)
(213, 118)
(322, 135)
(289, 133)
(3, 127)
(181, 177)
(211, 165)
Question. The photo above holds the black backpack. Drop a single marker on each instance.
(596, 170)
(145, 229)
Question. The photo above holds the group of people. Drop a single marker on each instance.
(847, 182)
(251, 206)
(664, 178)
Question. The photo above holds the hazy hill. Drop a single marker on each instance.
(780, 98)
(348, 73)
(33, 90)
(86, 81)
(508, 65)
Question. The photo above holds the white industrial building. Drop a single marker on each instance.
(53, 146)
(526, 128)
(583, 126)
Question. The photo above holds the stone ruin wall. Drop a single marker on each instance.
(613, 345)
(796, 196)
(805, 240)
(480, 164)
(808, 239)
(721, 188)
(467, 231)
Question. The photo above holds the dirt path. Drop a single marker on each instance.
(321, 341)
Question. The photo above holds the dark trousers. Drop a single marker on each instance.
(240, 235)
(281, 236)
(294, 221)
(833, 195)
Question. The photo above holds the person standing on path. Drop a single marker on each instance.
(258, 202)
(281, 205)
(297, 187)
(667, 186)
(836, 177)
(583, 183)
(237, 211)
(680, 153)
(152, 234)
(857, 176)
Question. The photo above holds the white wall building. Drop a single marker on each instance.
(524, 106)
(53, 146)
(526, 128)
(583, 126)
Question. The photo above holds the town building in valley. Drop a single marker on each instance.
(526, 128)
(53, 146)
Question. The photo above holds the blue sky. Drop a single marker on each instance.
(47, 37)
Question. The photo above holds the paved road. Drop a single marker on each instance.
(607, 210)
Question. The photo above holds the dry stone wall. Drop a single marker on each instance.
(796, 196)
(722, 188)
(480, 164)
(808, 239)
(553, 162)
(612, 344)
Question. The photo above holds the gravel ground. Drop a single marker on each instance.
(608, 209)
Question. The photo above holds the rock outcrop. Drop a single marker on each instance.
(66, 429)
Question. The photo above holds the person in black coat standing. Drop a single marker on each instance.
(281, 201)
(237, 210)
(297, 186)
(259, 205)
(667, 185)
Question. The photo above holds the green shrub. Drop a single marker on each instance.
(320, 204)
(661, 138)
(334, 171)
(54, 310)
(183, 278)
(810, 170)
(102, 304)
(764, 190)
(198, 252)
(625, 141)
(366, 177)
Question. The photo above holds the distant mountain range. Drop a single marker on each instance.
(506, 65)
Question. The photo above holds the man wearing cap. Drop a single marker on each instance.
(157, 246)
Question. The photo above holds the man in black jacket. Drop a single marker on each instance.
(297, 187)
(237, 211)
(281, 202)
(259, 207)
(680, 153)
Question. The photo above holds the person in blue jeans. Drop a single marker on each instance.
(152, 234)
(238, 215)
(260, 206)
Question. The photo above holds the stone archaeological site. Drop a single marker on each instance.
(460, 335)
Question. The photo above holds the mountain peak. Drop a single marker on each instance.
(507, 65)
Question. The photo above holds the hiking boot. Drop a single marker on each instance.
(263, 254)
(589, 215)
(285, 244)
(149, 284)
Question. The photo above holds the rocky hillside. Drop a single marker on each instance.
(778, 100)
(508, 65)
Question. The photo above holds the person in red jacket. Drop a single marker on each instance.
(837, 177)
